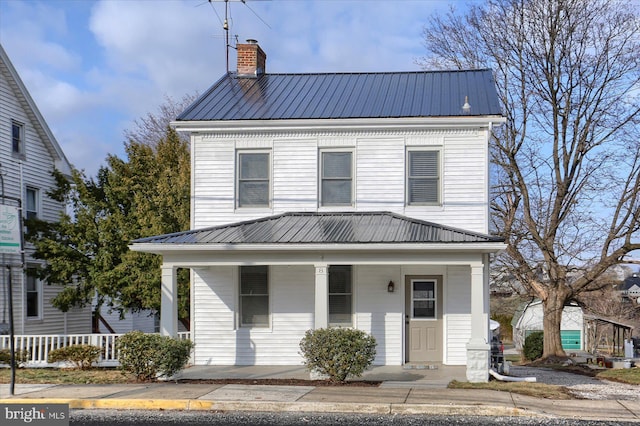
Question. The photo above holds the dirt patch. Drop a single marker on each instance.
(559, 364)
(283, 382)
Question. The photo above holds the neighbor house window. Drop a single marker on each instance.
(253, 179)
(423, 177)
(17, 137)
(34, 292)
(31, 203)
(336, 178)
(254, 296)
(340, 295)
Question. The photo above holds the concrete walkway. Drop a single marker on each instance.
(419, 390)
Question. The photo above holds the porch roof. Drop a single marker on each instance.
(342, 228)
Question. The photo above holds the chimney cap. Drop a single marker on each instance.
(252, 41)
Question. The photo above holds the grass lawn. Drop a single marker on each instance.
(539, 390)
(542, 390)
(114, 375)
(66, 376)
(628, 375)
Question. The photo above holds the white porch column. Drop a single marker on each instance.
(478, 348)
(169, 302)
(321, 319)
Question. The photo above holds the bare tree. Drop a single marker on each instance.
(152, 128)
(567, 163)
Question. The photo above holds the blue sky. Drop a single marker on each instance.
(93, 67)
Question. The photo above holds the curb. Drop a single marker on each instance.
(271, 406)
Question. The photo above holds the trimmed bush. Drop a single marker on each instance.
(21, 357)
(338, 352)
(148, 356)
(81, 356)
(533, 346)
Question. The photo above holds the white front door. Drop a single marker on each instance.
(423, 319)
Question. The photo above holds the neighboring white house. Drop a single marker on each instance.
(630, 288)
(529, 317)
(337, 199)
(28, 154)
(108, 320)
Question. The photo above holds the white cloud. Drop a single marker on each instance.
(93, 67)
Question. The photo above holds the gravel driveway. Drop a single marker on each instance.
(581, 386)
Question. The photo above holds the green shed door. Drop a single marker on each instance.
(570, 339)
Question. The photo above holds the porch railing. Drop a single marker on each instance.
(37, 347)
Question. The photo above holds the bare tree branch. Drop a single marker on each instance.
(566, 191)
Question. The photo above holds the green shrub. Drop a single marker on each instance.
(533, 345)
(81, 356)
(338, 352)
(148, 356)
(20, 356)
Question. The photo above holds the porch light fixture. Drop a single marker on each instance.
(391, 287)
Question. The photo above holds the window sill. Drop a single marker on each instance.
(18, 155)
(255, 328)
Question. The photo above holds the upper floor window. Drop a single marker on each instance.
(253, 179)
(340, 295)
(17, 137)
(31, 203)
(34, 293)
(336, 178)
(254, 296)
(423, 177)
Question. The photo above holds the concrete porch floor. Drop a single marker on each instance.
(409, 375)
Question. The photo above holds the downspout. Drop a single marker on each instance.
(488, 194)
(503, 378)
(23, 291)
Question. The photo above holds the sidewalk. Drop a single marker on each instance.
(389, 398)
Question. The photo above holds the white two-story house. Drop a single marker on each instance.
(28, 154)
(337, 199)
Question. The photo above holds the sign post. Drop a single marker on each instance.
(10, 243)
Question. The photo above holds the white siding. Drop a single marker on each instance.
(379, 175)
(33, 170)
(143, 321)
(379, 312)
(457, 315)
(213, 182)
(220, 342)
(295, 184)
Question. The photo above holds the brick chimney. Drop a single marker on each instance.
(252, 60)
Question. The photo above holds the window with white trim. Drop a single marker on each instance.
(423, 299)
(254, 296)
(423, 177)
(340, 295)
(253, 179)
(31, 203)
(17, 137)
(33, 295)
(336, 178)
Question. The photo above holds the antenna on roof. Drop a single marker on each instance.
(225, 24)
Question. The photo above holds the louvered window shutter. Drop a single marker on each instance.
(424, 177)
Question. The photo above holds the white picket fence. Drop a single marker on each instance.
(37, 347)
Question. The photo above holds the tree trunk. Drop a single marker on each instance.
(552, 308)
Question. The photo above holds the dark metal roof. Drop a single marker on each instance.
(325, 228)
(630, 282)
(347, 95)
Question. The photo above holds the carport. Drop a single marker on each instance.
(599, 328)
